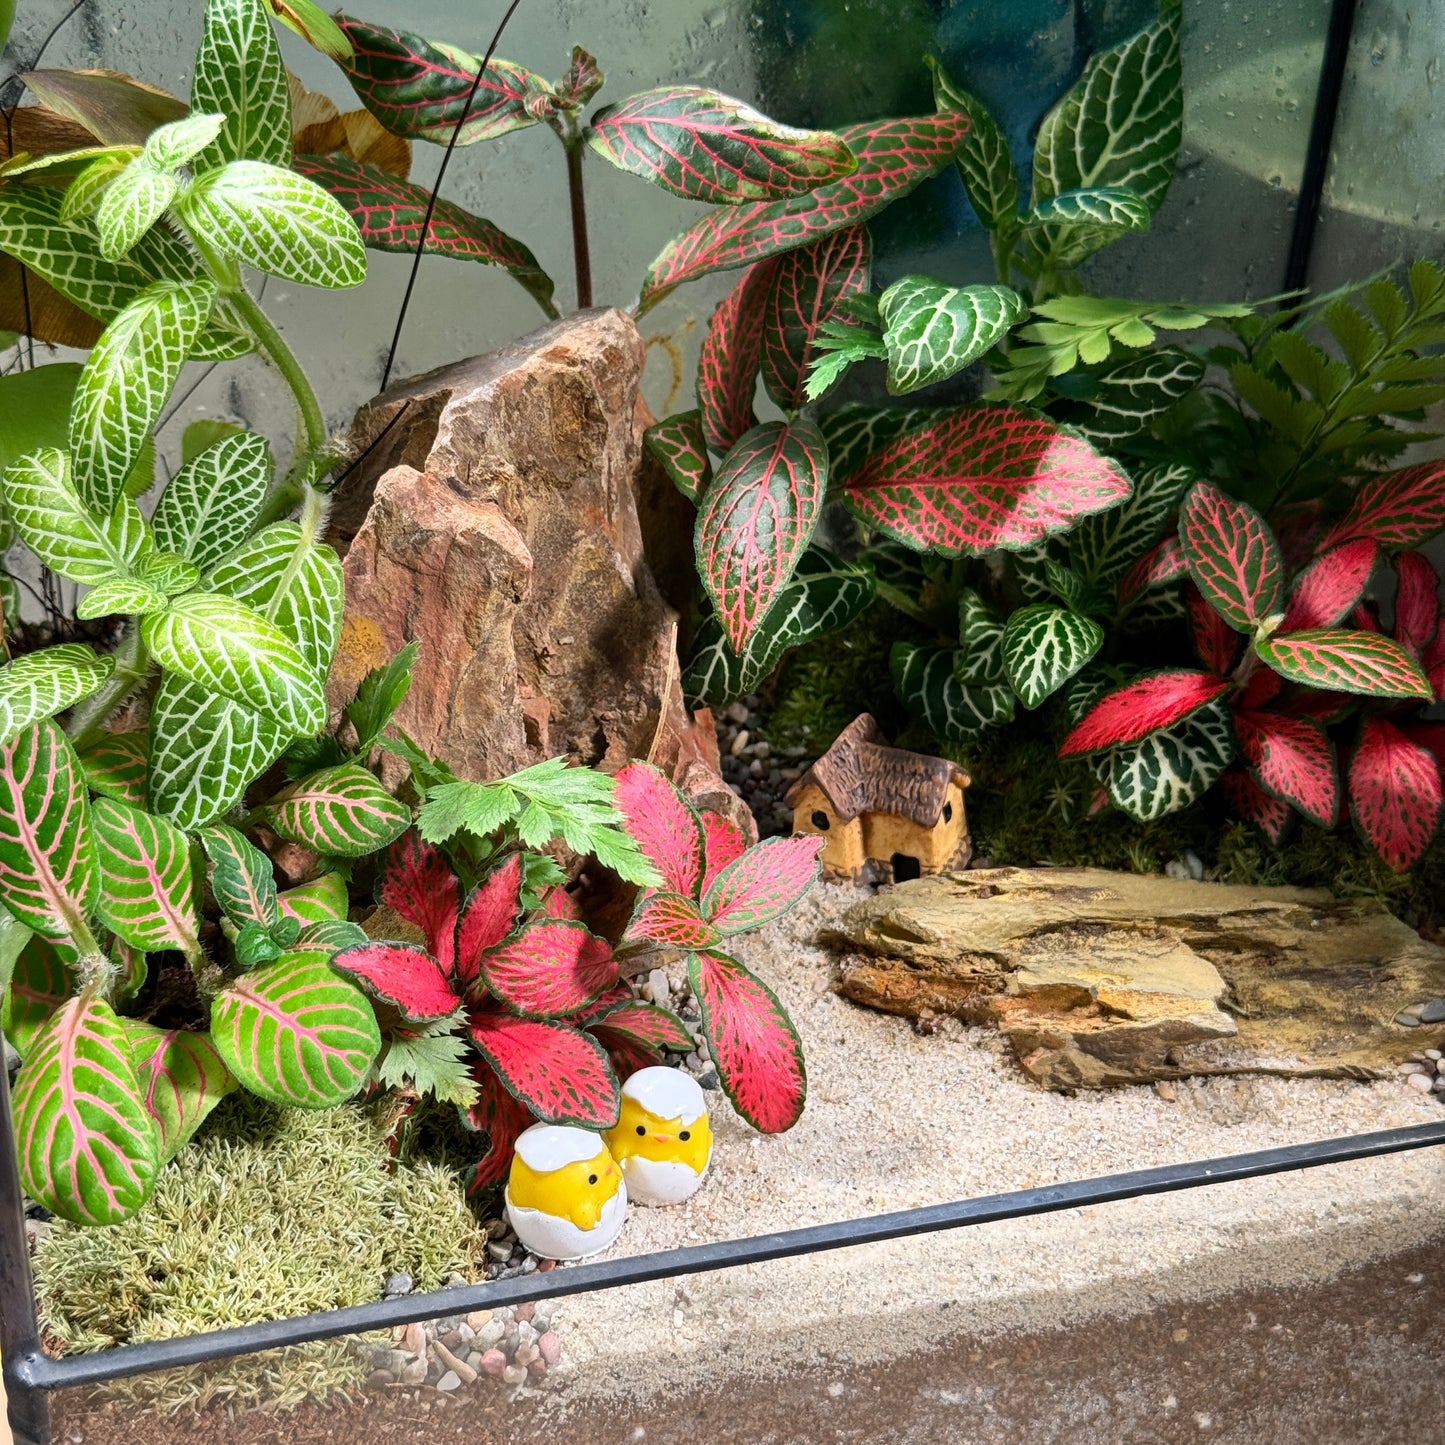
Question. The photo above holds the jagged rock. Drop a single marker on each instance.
(1105, 978)
(496, 523)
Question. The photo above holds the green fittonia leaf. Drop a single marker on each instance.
(42, 980)
(925, 680)
(182, 1078)
(115, 766)
(239, 74)
(133, 202)
(1170, 768)
(322, 900)
(1121, 401)
(342, 812)
(933, 330)
(211, 504)
(40, 684)
(1044, 646)
(983, 158)
(1104, 546)
(241, 877)
(147, 894)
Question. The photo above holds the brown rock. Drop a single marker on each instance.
(459, 1367)
(493, 1362)
(1104, 978)
(496, 523)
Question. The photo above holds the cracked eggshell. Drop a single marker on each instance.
(549, 1236)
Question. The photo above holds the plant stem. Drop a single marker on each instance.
(131, 661)
(574, 146)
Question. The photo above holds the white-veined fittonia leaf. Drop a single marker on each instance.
(241, 877)
(126, 381)
(343, 812)
(1171, 768)
(120, 595)
(40, 684)
(979, 659)
(211, 504)
(927, 684)
(147, 893)
(182, 1078)
(133, 202)
(1120, 401)
(48, 877)
(1044, 646)
(277, 221)
(1115, 207)
(1103, 546)
(83, 194)
(229, 649)
(933, 330)
(239, 74)
(169, 574)
(855, 431)
(983, 158)
(174, 144)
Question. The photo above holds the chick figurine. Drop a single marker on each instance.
(662, 1140)
(565, 1194)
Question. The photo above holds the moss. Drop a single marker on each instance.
(268, 1212)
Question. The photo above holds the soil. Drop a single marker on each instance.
(1354, 1360)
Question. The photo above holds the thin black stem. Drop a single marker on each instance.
(431, 203)
(581, 252)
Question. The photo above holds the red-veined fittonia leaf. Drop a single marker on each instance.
(147, 894)
(1139, 708)
(559, 903)
(241, 876)
(671, 920)
(419, 886)
(757, 518)
(680, 446)
(663, 825)
(757, 1051)
(296, 1032)
(727, 368)
(1162, 564)
(1216, 644)
(655, 1029)
(1232, 556)
(1261, 688)
(115, 766)
(1297, 530)
(318, 901)
(1325, 592)
(497, 1114)
(893, 157)
(762, 884)
(1293, 759)
(402, 975)
(48, 878)
(182, 1078)
(487, 916)
(807, 286)
(725, 841)
(1395, 793)
(582, 81)
(86, 1145)
(43, 979)
(1342, 660)
(549, 968)
(1396, 509)
(1253, 804)
(419, 88)
(560, 1074)
(1431, 737)
(390, 213)
(704, 146)
(982, 477)
(1417, 602)
(342, 812)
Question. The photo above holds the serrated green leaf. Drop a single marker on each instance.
(133, 202)
(434, 1061)
(211, 504)
(119, 595)
(126, 381)
(277, 221)
(40, 684)
(147, 894)
(1044, 646)
(241, 877)
(932, 330)
(381, 692)
(240, 75)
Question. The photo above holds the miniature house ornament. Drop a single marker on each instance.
(566, 1197)
(888, 814)
(662, 1140)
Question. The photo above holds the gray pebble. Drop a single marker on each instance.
(514, 1374)
(414, 1373)
(1423, 1082)
(709, 1080)
(377, 1378)
(1433, 1012)
(1407, 1020)
(529, 1264)
(657, 987)
(399, 1283)
(500, 1250)
(450, 1381)
(1434, 1054)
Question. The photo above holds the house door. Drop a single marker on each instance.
(905, 866)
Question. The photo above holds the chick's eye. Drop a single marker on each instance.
(685, 1135)
(592, 1179)
(642, 1130)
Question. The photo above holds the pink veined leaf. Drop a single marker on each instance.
(626, 1054)
(671, 920)
(727, 372)
(807, 286)
(655, 1028)
(1297, 530)
(1321, 707)
(488, 916)
(757, 519)
(1417, 602)
(1261, 689)
(1395, 793)
(1139, 708)
(582, 81)
(1161, 564)
(402, 975)
(680, 447)
(1431, 737)
(549, 968)
(1365, 618)
(1326, 591)
(1215, 643)
(664, 826)
(1253, 804)
(419, 886)
(1342, 660)
(604, 1003)
(982, 477)
(561, 1075)
(390, 213)
(559, 903)
(724, 842)
(1232, 556)
(762, 884)
(893, 157)
(182, 1078)
(497, 1114)
(1396, 509)
(1294, 760)
(757, 1051)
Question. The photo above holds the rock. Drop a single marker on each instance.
(549, 1346)
(709, 1080)
(1407, 1021)
(515, 1374)
(525, 1332)
(525, 1312)
(449, 1381)
(414, 1373)
(658, 989)
(463, 1370)
(477, 1319)
(1423, 1082)
(399, 1284)
(500, 1250)
(491, 1332)
(493, 1362)
(415, 1340)
(1106, 978)
(1433, 1012)
(537, 1368)
(497, 525)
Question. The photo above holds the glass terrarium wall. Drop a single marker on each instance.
(1251, 69)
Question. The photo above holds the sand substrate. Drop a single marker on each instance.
(895, 1120)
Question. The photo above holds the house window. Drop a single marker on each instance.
(820, 820)
(948, 812)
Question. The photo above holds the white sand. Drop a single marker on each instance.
(895, 1120)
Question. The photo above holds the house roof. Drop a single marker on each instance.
(860, 773)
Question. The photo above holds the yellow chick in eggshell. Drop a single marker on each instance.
(662, 1140)
(566, 1197)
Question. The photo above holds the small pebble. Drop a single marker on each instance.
(740, 744)
(525, 1312)
(449, 1381)
(415, 1339)
(1407, 1020)
(465, 1333)
(514, 1374)
(525, 1355)
(529, 1264)
(493, 1362)
(658, 988)
(490, 1333)
(414, 1373)
(708, 1080)
(537, 1368)
(1434, 1054)
(1433, 1012)
(736, 713)
(1423, 1082)
(478, 1319)
(525, 1333)
(550, 1348)
(546, 1266)
(399, 1283)
(500, 1250)
(377, 1378)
